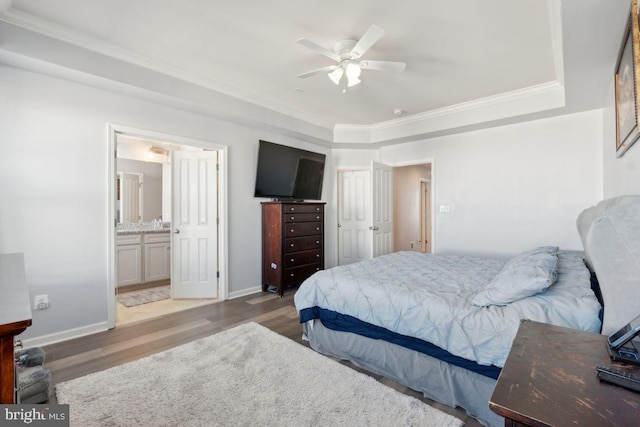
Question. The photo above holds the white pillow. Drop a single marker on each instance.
(525, 275)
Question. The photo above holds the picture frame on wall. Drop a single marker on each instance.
(627, 82)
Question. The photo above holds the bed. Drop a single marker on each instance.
(443, 324)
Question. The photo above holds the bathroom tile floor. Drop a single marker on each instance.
(127, 315)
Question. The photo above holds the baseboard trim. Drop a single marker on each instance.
(101, 326)
(64, 335)
(244, 292)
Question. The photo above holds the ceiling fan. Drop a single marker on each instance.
(348, 54)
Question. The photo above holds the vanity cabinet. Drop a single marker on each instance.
(157, 257)
(143, 258)
(129, 254)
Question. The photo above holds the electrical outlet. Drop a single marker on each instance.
(40, 302)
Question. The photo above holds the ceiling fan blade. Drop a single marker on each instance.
(382, 65)
(369, 38)
(311, 73)
(313, 46)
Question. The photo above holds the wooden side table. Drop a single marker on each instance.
(550, 379)
(15, 317)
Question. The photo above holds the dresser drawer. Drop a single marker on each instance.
(295, 276)
(302, 208)
(303, 217)
(303, 229)
(298, 244)
(302, 258)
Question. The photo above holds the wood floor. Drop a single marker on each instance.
(79, 357)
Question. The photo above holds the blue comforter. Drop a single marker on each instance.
(428, 297)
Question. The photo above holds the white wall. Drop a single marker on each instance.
(509, 188)
(53, 196)
(514, 187)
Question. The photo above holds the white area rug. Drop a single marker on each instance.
(144, 296)
(245, 376)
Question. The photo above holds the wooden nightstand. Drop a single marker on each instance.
(15, 317)
(550, 379)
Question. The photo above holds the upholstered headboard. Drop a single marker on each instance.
(610, 233)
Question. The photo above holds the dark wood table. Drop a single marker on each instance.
(15, 317)
(550, 379)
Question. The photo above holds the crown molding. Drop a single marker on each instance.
(512, 104)
(58, 32)
(547, 96)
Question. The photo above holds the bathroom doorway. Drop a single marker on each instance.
(145, 265)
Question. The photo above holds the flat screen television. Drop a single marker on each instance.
(288, 173)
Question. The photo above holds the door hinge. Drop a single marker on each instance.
(217, 274)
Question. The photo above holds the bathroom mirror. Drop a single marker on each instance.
(140, 185)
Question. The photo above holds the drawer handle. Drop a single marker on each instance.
(318, 241)
(318, 217)
(292, 230)
(293, 209)
(292, 274)
(292, 218)
(293, 260)
(317, 255)
(317, 228)
(292, 245)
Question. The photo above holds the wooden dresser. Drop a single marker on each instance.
(15, 317)
(292, 243)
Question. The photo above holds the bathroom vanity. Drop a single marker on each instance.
(143, 255)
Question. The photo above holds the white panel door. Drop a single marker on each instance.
(194, 242)
(354, 216)
(382, 208)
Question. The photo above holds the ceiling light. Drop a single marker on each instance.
(156, 150)
(336, 75)
(350, 71)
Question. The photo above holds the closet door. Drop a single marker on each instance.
(354, 216)
(382, 208)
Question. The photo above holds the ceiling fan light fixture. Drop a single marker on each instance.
(352, 71)
(352, 81)
(336, 75)
(347, 54)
